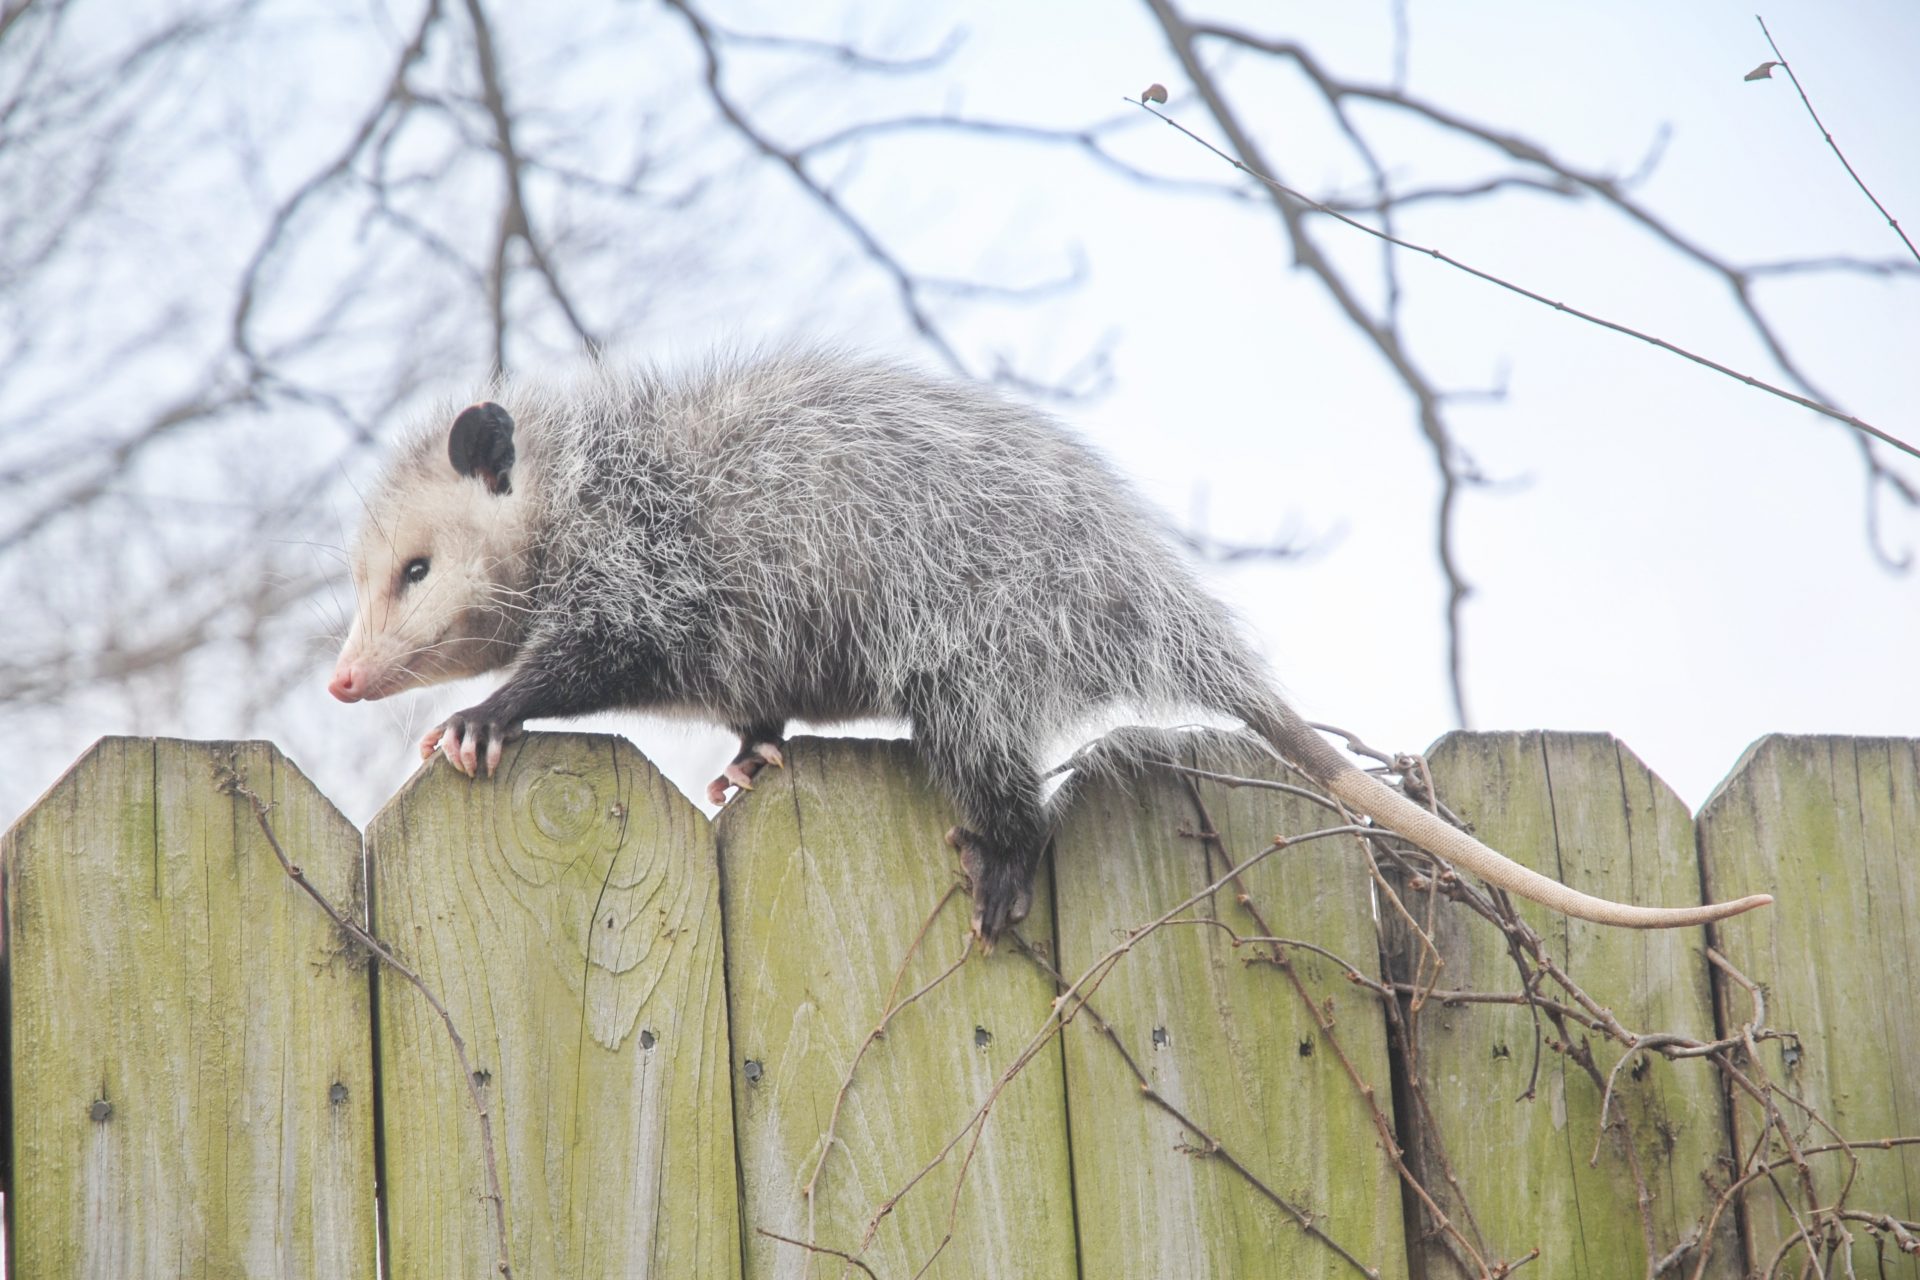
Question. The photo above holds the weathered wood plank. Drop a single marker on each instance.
(191, 1041)
(831, 868)
(1228, 1041)
(567, 913)
(1583, 809)
(1831, 827)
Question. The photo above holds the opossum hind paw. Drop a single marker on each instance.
(743, 768)
(1002, 895)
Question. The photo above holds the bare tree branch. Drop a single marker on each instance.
(1383, 334)
(516, 222)
(1804, 402)
(1088, 140)
(905, 286)
(1552, 176)
(845, 55)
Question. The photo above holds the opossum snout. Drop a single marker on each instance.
(361, 674)
(349, 683)
(358, 679)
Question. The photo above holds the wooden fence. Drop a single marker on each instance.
(673, 1028)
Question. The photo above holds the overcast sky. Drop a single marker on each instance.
(1670, 556)
(1681, 560)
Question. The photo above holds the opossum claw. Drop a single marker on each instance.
(471, 742)
(1000, 899)
(740, 771)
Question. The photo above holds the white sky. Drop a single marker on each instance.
(1681, 561)
(1685, 564)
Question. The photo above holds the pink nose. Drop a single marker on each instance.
(347, 683)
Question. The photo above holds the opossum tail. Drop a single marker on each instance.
(1293, 738)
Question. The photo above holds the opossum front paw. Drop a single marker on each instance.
(471, 740)
(742, 769)
(1002, 894)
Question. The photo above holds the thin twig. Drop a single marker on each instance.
(1610, 190)
(1826, 133)
(1065, 1006)
(841, 1254)
(890, 1008)
(1383, 333)
(1747, 378)
(1613, 1077)
(1322, 1019)
(1208, 1145)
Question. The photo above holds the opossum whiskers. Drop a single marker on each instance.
(333, 617)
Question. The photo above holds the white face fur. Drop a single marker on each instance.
(439, 573)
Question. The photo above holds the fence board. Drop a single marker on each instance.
(192, 1057)
(567, 913)
(191, 1063)
(1831, 826)
(1229, 1043)
(1585, 810)
(830, 870)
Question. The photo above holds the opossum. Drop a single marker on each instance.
(817, 536)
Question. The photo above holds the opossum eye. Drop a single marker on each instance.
(416, 569)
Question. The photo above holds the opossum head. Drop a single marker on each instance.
(441, 566)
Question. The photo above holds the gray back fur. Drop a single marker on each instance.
(827, 537)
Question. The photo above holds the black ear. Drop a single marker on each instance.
(481, 446)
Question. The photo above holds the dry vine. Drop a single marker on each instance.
(1568, 1020)
(1570, 1023)
(229, 781)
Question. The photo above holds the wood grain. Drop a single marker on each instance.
(1224, 1038)
(191, 1074)
(567, 913)
(1583, 809)
(1831, 827)
(832, 868)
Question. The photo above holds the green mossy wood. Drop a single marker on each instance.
(192, 1083)
(1831, 826)
(832, 866)
(193, 1050)
(1583, 809)
(1223, 1037)
(567, 913)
